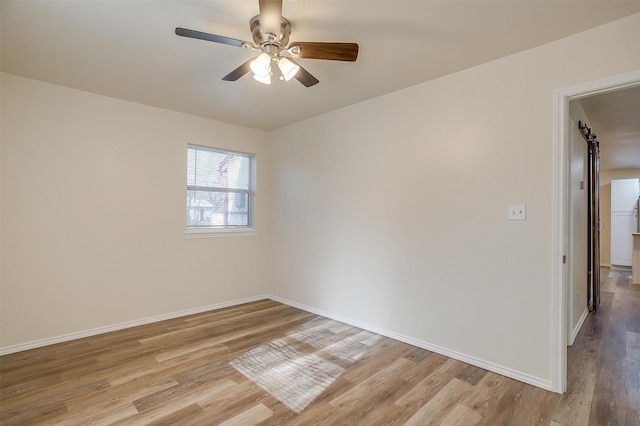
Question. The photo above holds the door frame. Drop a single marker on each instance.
(561, 204)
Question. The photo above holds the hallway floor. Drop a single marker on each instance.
(604, 362)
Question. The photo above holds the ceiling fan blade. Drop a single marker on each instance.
(239, 72)
(304, 76)
(328, 51)
(209, 37)
(271, 16)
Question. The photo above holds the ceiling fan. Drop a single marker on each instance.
(271, 33)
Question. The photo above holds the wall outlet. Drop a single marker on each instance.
(175, 288)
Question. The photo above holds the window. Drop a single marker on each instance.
(219, 188)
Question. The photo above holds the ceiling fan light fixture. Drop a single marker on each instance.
(264, 79)
(288, 68)
(260, 66)
(270, 31)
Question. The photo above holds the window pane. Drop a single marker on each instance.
(237, 171)
(211, 208)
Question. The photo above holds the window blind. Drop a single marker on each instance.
(219, 188)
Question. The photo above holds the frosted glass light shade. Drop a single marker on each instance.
(264, 79)
(288, 68)
(260, 65)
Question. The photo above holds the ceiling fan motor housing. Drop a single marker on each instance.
(261, 39)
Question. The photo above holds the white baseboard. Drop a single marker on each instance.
(576, 329)
(499, 369)
(621, 267)
(496, 368)
(101, 330)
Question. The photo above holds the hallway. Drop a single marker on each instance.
(604, 362)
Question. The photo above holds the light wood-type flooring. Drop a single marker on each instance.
(271, 364)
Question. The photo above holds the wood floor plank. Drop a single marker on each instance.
(39, 412)
(187, 415)
(441, 405)
(171, 366)
(104, 413)
(223, 406)
(232, 313)
(252, 416)
(633, 391)
(27, 407)
(609, 400)
(493, 397)
(383, 353)
(193, 391)
(321, 408)
(17, 387)
(185, 350)
(574, 407)
(158, 405)
(214, 321)
(355, 405)
(430, 385)
(129, 392)
(633, 346)
(471, 374)
(370, 386)
(533, 406)
(422, 366)
(461, 415)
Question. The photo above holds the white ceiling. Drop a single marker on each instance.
(128, 49)
(615, 118)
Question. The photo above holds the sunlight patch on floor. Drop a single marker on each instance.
(297, 377)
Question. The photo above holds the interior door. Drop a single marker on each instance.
(593, 232)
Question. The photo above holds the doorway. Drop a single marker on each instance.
(561, 223)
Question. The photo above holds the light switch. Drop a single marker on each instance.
(517, 212)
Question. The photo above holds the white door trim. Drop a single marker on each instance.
(561, 210)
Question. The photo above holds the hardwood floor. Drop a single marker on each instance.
(267, 363)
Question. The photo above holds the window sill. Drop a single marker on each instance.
(220, 232)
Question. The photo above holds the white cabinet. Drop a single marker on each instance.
(624, 195)
(623, 225)
(636, 258)
(624, 219)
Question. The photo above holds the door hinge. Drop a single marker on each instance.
(564, 258)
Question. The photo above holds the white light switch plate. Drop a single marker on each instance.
(517, 212)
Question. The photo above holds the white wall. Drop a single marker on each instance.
(579, 223)
(606, 176)
(402, 201)
(93, 214)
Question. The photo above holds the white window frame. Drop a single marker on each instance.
(225, 230)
